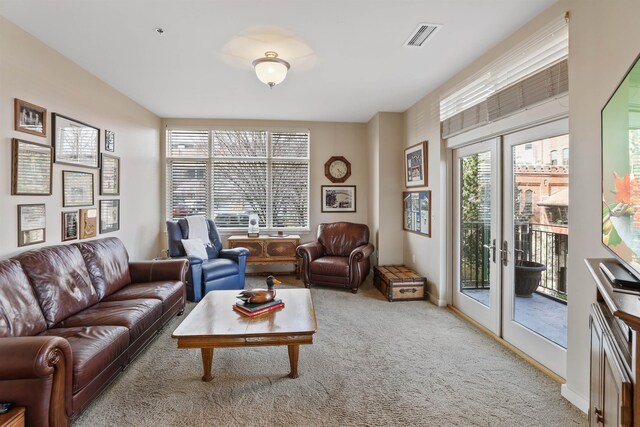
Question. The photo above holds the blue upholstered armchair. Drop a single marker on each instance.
(224, 269)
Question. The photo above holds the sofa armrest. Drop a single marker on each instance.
(233, 253)
(40, 357)
(310, 251)
(152, 271)
(360, 253)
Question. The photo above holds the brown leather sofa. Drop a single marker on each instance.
(340, 256)
(72, 317)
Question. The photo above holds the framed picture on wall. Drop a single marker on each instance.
(75, 143)
(109, 215)
(338, 198)
(109, 141)
(30, 168)
(32, 220)
(30, 118)
(69, 225)
(416, 209)
(88, 223)
(77, 188)
(110, 175)
(415, 165)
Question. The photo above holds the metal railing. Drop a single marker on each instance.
(541, 243)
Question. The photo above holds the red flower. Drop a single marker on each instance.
(623, 188)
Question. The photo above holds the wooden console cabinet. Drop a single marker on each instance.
(13, 418)
(615, 354)
(266, 250)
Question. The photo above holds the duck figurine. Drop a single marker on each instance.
(259, 296)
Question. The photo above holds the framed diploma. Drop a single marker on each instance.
(31, 224)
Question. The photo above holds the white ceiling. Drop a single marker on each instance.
(347, 56)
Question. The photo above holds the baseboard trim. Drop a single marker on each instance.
(557, 378)
(574, 398)
(436, 301)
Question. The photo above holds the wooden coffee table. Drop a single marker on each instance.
(214, 324)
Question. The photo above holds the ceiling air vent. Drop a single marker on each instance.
(421, 34)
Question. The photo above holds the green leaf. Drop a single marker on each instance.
(614, 238)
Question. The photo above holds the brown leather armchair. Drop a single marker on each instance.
(340, 256)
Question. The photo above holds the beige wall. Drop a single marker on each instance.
(603, 42)
(424, 254)
(373, 146)
(327, 139)
(604, 39)
(389, 183)
(31, 71)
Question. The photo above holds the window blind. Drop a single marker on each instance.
(239, 188)
(187, 188)
(228, 174)
(533, 71)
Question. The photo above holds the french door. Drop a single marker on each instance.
(510, 238)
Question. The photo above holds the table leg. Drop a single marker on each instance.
(294, 351)
(207, 361)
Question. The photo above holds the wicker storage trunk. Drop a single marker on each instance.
(399, 283)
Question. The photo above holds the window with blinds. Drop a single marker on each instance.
(229, 174)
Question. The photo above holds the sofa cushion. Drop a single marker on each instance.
(136, 315)
(218, 268)
(60, 280)
(331, 266)
(108, 264)
(20, 314)
(169, 293)
(94, 348)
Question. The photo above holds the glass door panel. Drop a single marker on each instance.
(475, 238)
(541, 235)
(476, 276)
(536, 230)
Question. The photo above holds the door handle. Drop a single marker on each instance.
(492, 248)
(504, 253)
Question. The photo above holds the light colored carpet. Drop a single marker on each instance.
(373, 363)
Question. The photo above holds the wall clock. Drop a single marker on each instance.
(337, 169)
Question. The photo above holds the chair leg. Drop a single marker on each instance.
(354, 290)
(307, 285)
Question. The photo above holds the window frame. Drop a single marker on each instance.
(210, 160)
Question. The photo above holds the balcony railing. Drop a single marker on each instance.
(545, 244)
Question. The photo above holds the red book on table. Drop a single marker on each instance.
(258, 312)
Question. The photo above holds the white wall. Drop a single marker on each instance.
(327, 139)
(31, 71)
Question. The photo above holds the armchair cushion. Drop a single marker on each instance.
(195, 248)
(311, 250)
(218, 268)
(331, 266)
(341, 238)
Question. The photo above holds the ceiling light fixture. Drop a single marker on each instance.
(271, 70)
(160, 31)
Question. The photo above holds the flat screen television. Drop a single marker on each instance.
(621, 174)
